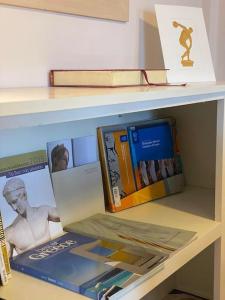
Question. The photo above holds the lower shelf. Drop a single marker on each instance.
(192, 210)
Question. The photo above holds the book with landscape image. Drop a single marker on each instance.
(107, 78)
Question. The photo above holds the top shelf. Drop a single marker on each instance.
(39, 106)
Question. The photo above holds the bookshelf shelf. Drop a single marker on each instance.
(33, 116)
(39, 106)
(25, 287)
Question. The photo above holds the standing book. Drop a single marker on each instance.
(27, 201)
(116, 165)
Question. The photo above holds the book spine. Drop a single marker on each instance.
(134, 160)
(105, 170)
(51, 78)
(3, 273)
(3, 249)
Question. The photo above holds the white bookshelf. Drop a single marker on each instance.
(30, 117)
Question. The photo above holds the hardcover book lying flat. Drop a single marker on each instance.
(107, 78)
(87, 265)
(139, 162)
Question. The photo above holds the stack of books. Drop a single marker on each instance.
(140, 162)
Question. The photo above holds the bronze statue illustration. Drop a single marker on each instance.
(186, 42)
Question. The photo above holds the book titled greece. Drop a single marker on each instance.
(66, 262)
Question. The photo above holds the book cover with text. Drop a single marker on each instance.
(155, 156)
(27, 202)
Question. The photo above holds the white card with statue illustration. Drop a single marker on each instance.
(184, 43)
(27, 201)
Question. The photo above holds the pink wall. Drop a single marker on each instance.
(33, 42)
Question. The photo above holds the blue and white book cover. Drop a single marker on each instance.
(83, 264)
(152, 150)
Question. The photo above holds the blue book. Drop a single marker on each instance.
(154, 152)
(85, 265)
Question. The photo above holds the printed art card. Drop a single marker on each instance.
(60, 155)
(184, 44)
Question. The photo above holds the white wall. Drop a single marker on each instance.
(33, 42)
(215, 15)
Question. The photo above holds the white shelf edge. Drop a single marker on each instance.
(51, 105)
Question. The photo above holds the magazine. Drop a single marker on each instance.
(27, 202)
